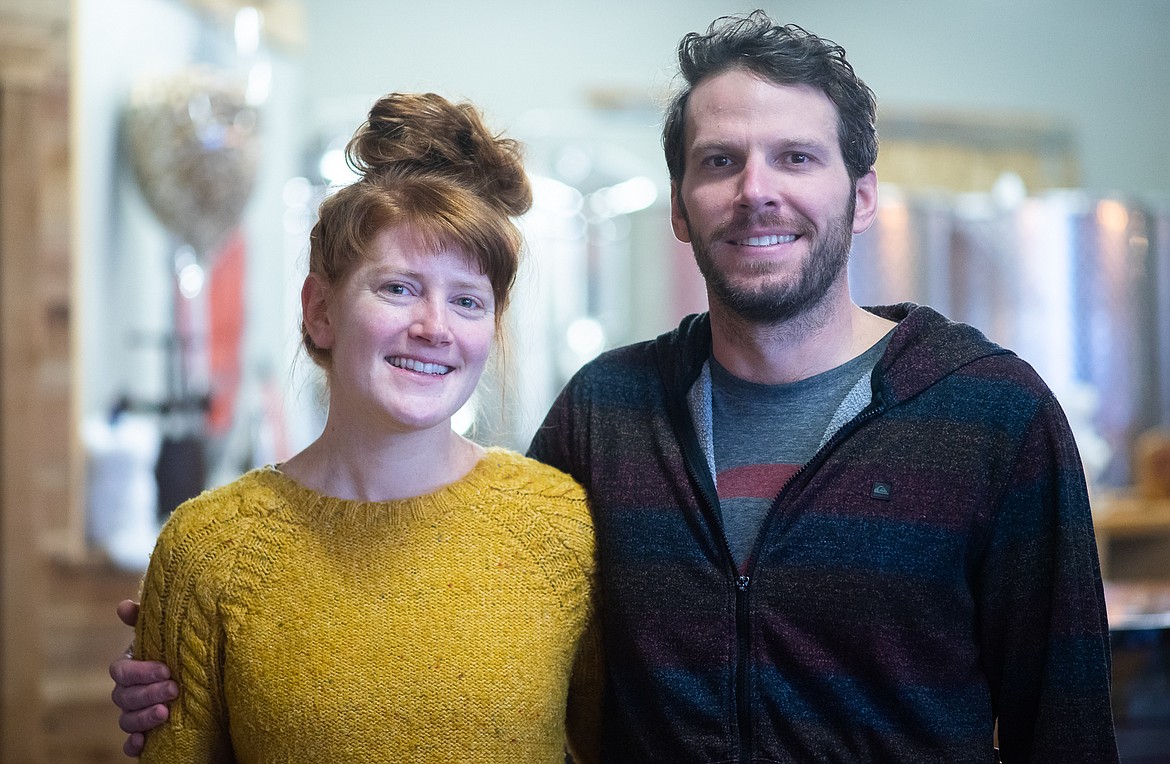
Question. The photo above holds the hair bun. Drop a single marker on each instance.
(410, 134)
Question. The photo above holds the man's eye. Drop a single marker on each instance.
(719, 161)
(799, 158)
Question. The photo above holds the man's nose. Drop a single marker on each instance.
(759, 184)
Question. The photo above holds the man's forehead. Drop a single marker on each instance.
(738, 102)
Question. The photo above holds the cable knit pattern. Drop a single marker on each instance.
(441, 628)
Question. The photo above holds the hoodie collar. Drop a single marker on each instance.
(925, 347)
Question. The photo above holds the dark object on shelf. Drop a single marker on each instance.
(181, 472)
(1139, 634)
(1141, 694)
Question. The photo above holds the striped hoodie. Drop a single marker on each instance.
(929, 575)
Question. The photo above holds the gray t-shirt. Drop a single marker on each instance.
(763, 434)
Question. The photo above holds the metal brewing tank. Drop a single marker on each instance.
(1079, 286)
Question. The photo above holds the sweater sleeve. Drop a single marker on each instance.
(178, 625)
(586, 688)
(1043, 625)
(586, 684)
(568, 513)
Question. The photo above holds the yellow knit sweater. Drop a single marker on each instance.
(444, 628)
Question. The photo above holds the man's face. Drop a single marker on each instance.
(766, 201)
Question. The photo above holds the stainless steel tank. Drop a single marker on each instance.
(1079, 286)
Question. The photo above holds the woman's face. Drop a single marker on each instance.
(409, 332)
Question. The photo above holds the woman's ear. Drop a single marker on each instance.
(315, 311)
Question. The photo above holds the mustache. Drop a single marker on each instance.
(741, 226)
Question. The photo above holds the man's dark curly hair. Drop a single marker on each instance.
(786, 55)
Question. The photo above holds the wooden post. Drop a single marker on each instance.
(33, 381)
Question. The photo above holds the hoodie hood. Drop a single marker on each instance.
(926, 347)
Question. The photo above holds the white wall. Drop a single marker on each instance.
(124, 253)
(1101, 66)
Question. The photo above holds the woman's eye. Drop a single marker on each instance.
(468, 303)
(395, 288)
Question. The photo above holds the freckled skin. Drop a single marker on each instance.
(407, 307)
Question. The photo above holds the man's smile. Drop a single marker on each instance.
(766, 241)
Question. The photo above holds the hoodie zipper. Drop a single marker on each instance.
(688, 443)
(743, 581)
(743, 664)
(742, 640)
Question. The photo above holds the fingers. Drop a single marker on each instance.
(143, 720)
(139, 697)
(127, 672)
(141, 688)
(134, 744)
(128, 612)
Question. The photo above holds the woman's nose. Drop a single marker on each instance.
(431, 324)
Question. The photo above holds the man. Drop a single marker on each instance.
(826, 533)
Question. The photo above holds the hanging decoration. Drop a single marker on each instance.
(194, 146)
(193, 142)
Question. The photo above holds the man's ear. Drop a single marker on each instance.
(865, 200)
(315, 295)
(678, 215)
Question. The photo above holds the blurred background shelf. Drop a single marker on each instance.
(1133, 536)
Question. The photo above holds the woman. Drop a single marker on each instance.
(394, 592)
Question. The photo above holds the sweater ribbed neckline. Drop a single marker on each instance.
(313, 507)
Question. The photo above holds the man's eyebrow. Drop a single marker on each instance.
(712, 144)
(788, 144)
(814, 144)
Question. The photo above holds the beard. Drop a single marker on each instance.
(777, 302)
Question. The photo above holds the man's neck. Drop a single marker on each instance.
(834, 332)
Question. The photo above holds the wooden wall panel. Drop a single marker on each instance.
(21, 579)
(58, 630)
